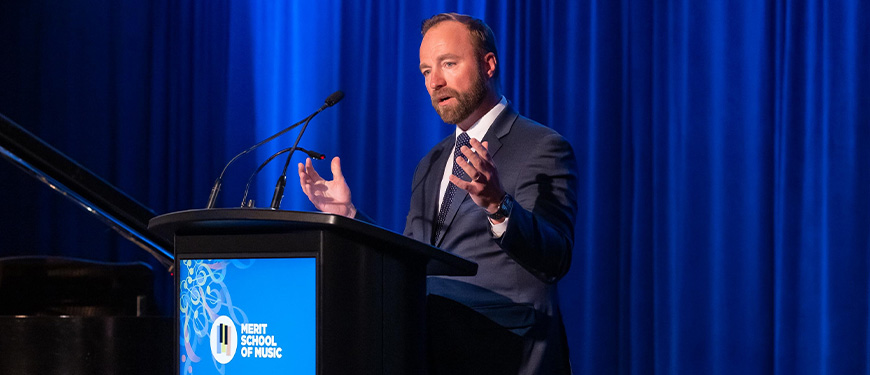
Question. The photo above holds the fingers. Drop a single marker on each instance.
(473, 172)
(336, 169)
(478, 167)
(307, 173)
(307, 177)
(311, 172)
(303, 170)
(485, 187)
(303, 178)
(479, 157)
(482, 149)
(464, 185)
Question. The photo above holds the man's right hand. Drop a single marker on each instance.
(333, 196)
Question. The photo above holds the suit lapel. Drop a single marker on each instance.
(433, 184)
(500, 127)
(458, 199)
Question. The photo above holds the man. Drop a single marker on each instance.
(511, 209)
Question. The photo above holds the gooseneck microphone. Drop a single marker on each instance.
(282, 180)
(332, 99)
(215, 190)
(311, 154)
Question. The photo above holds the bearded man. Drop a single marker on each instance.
(500, 191)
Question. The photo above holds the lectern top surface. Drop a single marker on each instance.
(236, 220)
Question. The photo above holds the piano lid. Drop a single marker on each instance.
(62, 174)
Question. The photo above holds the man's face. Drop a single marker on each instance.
(452, 71)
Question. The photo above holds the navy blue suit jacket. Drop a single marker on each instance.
(515, 284)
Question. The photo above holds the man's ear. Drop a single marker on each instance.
(489, 64)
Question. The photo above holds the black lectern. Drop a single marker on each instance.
(369, 282)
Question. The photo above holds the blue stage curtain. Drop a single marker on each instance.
(724, 147)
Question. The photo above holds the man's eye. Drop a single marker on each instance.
(449, 64)
(425, 73)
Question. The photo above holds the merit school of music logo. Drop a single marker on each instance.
(224, 340)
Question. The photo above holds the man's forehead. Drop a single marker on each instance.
(445, 38)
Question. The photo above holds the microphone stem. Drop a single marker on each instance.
(212, 198)
(215, 190)
(329, 102)
(311, 154)
(276, 198)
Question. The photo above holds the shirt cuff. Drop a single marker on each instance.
(498, 229)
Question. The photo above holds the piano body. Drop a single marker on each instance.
(72, 316)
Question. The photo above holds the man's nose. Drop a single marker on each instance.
(436, 80)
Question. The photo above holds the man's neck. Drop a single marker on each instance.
(488, 102)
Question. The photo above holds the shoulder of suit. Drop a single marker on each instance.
(435, 151)
(525, 127)
(446, 142)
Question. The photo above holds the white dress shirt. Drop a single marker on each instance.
(476, 131)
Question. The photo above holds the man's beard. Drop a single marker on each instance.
(466, 102)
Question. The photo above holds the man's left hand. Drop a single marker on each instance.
(484, 188)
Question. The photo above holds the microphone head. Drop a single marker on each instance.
(334, 98)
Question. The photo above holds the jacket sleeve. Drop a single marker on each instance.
(540, 232)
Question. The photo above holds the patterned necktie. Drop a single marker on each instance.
(461, 140)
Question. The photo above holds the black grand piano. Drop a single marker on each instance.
(63, 315)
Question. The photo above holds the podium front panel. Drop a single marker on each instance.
(247, 315)
(368, 303)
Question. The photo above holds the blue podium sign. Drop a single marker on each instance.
(247, 316)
